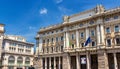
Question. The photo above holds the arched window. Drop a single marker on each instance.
(91, 22)
(19, 60)
(11, 60)
(27, 60)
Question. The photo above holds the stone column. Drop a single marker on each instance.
(88, 61)
(77, 38)
(45, 63)
(98, 34)
(49, 62)
(59, 62)
(115, 61)
(54, 62)
(106, 60)
(78, 61)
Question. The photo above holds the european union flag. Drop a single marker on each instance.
(88, 41)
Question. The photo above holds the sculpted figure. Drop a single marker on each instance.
(65, 18)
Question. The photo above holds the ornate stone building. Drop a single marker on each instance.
(62, 46)
(1, 41)
(15, 51)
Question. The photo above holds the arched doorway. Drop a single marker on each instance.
(19, 62)
(11, 61)
(118, 60)
(27, 62)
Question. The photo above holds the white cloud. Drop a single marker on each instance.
(63, 9)
(58, 1)
(43, 11)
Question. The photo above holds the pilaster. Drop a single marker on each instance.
(78, 61)
(77, 38)
(54, 62)
(88, 61)
(98, 34)
(115, 61)
(49, 62)
(59, 62)
(45, 62)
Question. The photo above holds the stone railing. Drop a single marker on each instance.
(82, 49)
(14, 52)
(94, 48)
(113, 20)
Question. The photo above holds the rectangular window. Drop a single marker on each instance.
(56, 39)
(108, 42)
(72, 45)
(117, 28)
(61, 48)
(52, 39)
(61, 38)
(72, 36)
(81, 25)
(107, 19)
(92, 33)
(118, 41)
(13, 44)
(82, 44)
(82, 35)
(115, 17)
(93, 43)
(107, 30)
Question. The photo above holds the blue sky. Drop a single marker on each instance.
(25, 17)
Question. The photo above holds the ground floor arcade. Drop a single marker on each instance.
(84, 60)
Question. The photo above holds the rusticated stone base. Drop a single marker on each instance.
(66, 61)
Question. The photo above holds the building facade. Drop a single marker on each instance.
(1, 41)
(62, 46)
(15, 51)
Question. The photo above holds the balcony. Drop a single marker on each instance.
(82, 49)
(14, 52)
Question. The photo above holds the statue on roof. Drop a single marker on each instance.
(66, 19)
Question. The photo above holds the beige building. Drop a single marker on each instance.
(1, 41)
(62, 46)
(15, 52)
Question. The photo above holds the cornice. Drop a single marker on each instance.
(19, 41)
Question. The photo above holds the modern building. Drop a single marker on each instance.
(15, 51)
(62, 46)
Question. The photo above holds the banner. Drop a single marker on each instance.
(83, 60)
